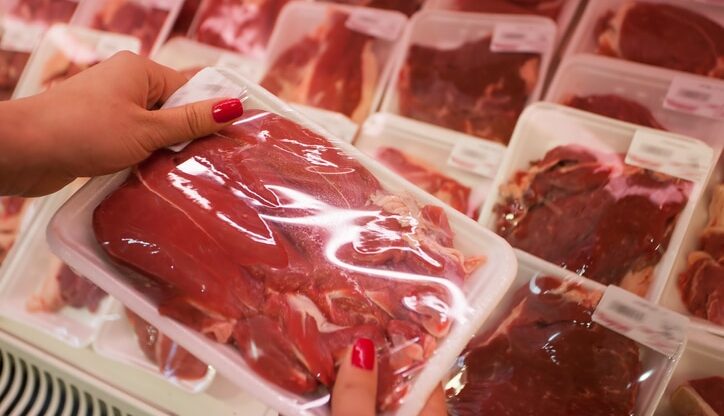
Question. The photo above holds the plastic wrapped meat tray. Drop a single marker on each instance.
(543, 341)
(681, 35)
(452, 78)
(570, 196)
(333, 57)
(331, 263)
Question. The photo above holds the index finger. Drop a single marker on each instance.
(355, 390)
(162, 82)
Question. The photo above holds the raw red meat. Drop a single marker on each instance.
(443, 187)
(701, 397)
(172, 360)
(11, 211)
(66, 288)
(12, 64)
(547, 357)
(702, 284)
(185, 17)
(301, 249)
(268, 237)
(470, 89)
(334, 68)
(60, 67)
(238, 25)
(615, 106)
(405, 6)
(663, 35)
(589, 212)
(550, 8)
(45, 11)
(133, 18)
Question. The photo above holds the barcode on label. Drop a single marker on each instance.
(656, 150)
(679, 157)
(628, 311)
(480, 158)
(514, 36)
(521, 37)
(696, 96)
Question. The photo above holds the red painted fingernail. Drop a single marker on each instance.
(363, 354)
(227, 110)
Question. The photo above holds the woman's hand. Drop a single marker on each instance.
(98, 122)
(355, 391)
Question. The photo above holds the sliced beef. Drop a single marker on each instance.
(615, 106)
(132, 18)
(470, 89)
(45, 11)
(66, 288)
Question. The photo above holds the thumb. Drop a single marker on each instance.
(191, 121)
(355, 390)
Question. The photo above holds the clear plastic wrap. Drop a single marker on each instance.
(127, 338)
(423, 154)
(408, 7)
(66, 51)
(244, 26)
(185, 17)
(696, 285)
(450, 74)
(697, 384)
(583, 196)
(676, 34)
(545, 354)
(333, 57)
(40, 291)
(150, 21)
(12, 210)
(320, 246)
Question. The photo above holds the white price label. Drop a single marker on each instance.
(696, 96)
(109, 45)
(206, 84)
(20, 36)
(658, 328)
(686, 159)
(375, 23)
(712, 2)
(479, 158)
(161, 4)
(521, 37)
(238, 63)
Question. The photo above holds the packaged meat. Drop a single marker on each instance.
(12, 211)
(555, 9)
(149, 21)
(543, 342)
(65, 51)
(676, 34)
(409, 7)
(631, 92)
(332, 57)
(697, 384)
(39, 291)
(128, 339)
(583, 197)
(190, 56)
(45, 12)
(451, 76)
(696, 284)
(185, 17)
(243, 26)
(423, 154)
(324, 263)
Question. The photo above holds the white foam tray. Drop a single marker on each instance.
(28, 265)
(74, 43)
(533, 137)
(426, 143)
(71, 236)
(671, 297)
(450, 30)
(301, 18)
(117, 341)
(590, 74)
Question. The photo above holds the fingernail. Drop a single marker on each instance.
(227, 110)
(363, 354)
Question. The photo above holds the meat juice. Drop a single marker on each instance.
(589, 212)
(547, 357)
(314, 255)
(469, 89)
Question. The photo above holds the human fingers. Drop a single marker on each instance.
(355, 390)
(435, 405)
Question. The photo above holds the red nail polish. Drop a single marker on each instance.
(363, 354)
(227, 110)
